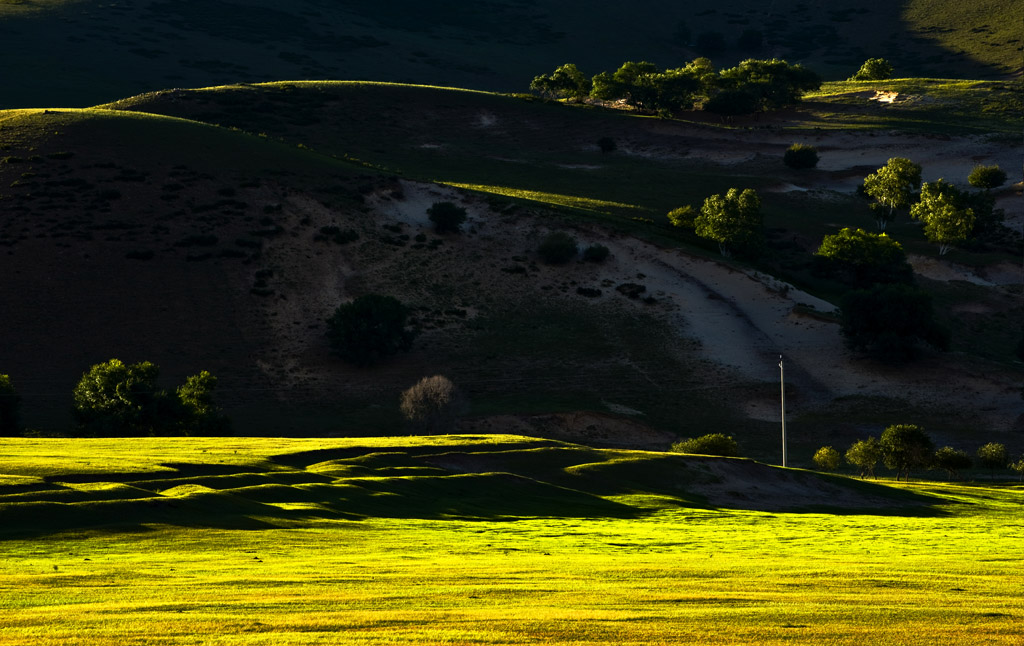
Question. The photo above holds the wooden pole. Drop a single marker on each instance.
(782, 384)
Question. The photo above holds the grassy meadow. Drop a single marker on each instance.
(647, 561)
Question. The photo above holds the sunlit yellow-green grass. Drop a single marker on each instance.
(572, 201)
(678, 574)
(954, 106)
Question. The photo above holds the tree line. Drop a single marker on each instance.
(754, 85)
(905, 447)
(117, 399)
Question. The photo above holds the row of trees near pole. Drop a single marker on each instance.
(906, 447)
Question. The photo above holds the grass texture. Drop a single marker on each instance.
(552, 573)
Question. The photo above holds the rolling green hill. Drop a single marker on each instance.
(83, 52)
(50, 486)
(185, 228)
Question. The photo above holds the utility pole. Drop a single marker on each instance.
(782, 383)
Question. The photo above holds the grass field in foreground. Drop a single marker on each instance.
(675, 575)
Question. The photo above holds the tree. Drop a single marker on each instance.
(558, 248)
(200, 415)
(947, 219)
(986, 177)
(873, 69)
(446, 216)
(865, 454)
(118, 399)
(733, 221)
(800, 156)
(634, 83)
(904, 447)
(826, 458)
(369, 328)
(567, 81)
(993, 456)
(952, 461)
(433, 405)
(892, 186)
(711, 444)
(887, 321)
(1018, 466)
(774, 83)
(10, 405)
(646, 87)
(863, 259)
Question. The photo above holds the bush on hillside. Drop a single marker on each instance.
(558, 248)
(607, 144)
(986, 177)
(433, 405)
(368, 329)
(873, 69)
(711, 444)
(800, 156)
(446, 216)
(596, 253)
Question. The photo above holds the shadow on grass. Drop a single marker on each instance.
(476, 481)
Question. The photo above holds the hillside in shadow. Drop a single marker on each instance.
(83, 52)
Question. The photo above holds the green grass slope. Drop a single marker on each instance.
(56, 485)
(96, 51)
(489, 539)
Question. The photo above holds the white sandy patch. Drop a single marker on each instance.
(412, 207)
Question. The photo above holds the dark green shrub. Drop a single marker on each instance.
(801, 156)
(711, 444)
(986, 177)
(607, 144)
(558, 248)
(446, 216)
(369, 328)
(873, 69)
(596, 253)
